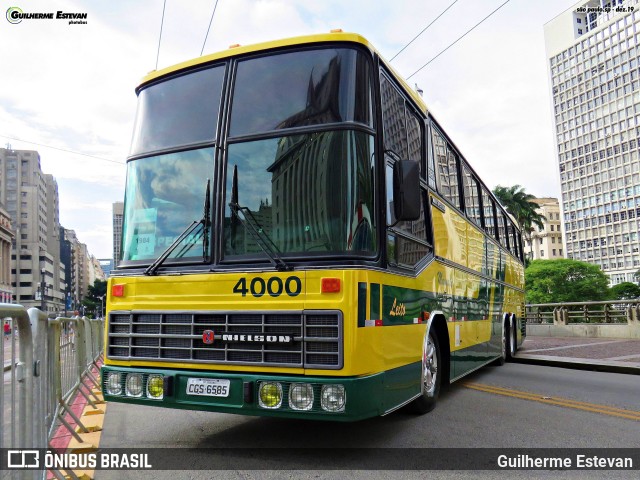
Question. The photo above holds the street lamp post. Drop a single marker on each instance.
(102, 306)
(42, 290)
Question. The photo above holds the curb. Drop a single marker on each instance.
(577, 364)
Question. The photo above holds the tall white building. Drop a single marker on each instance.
(593, 52)
(118, 215)
(546, 243)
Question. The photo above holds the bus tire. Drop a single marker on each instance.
(512, 344)
(430, 377)
(503, 347)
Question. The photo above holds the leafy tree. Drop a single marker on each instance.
(93, 300)
(521, 205)
(625, 291)
(564, 280)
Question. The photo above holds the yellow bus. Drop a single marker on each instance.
(302, 239)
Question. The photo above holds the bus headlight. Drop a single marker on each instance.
(114, 383)
(270, 395)
(333, 398)
(155, 387)
(301, 396)
(133, 385)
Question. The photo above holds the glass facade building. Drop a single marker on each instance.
(592, 53)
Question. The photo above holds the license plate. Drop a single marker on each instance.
(208, 387)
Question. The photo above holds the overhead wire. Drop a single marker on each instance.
(423, 30)
(164, 6)
(209, 27)
(62, 149)
(458, 39)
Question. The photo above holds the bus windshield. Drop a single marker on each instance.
(298, 169)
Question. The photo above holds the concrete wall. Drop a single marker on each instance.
(585, 330)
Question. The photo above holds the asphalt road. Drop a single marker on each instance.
(513, 406)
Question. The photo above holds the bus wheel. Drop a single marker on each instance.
(503, 347)
(430, 377)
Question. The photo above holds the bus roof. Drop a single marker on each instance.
(234, 51)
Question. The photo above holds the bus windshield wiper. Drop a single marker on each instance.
(204, 221)
(262, 239)
(250, 223)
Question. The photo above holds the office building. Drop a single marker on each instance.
(546, 243)
(6, 239)
(31, 201)
(593, 51)
(118, 213)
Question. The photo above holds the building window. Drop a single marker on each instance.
(554, 252)
(542, 253)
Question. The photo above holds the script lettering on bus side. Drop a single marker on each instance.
(397, 309)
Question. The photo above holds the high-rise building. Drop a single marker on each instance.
(118, 213)
(546, 243)
(6, 239)
(107, 265)
(31, 200)
(593, 52)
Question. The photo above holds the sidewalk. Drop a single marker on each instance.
(602, 354)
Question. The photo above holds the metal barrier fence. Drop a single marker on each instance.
(612, 311)
(47, 363)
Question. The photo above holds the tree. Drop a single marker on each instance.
(564, 280)
(93, 301)
(521, 205)
(625, 291)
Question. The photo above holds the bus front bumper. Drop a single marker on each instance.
(319, 398)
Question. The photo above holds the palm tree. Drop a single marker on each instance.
(520, 205)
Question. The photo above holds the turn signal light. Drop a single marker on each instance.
(117, 290)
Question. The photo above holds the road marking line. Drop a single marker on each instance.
(562, 402)
(572, 346)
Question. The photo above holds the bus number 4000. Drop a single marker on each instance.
(274, 286)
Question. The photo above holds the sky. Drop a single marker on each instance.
(67, 91)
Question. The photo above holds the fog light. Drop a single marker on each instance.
(301, 396)
(114, 383)
(134, 385)
(333, 398)
(155, 387)
(270, 395)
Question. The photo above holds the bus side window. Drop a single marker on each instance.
(447, 171)
(488, 213)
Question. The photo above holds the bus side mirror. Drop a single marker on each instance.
(406, 190)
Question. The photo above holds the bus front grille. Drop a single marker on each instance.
(309, 339)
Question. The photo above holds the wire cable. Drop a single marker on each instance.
(458, 39)
(209, 27)
(164, 6)
(62, 150)
(423, 30)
